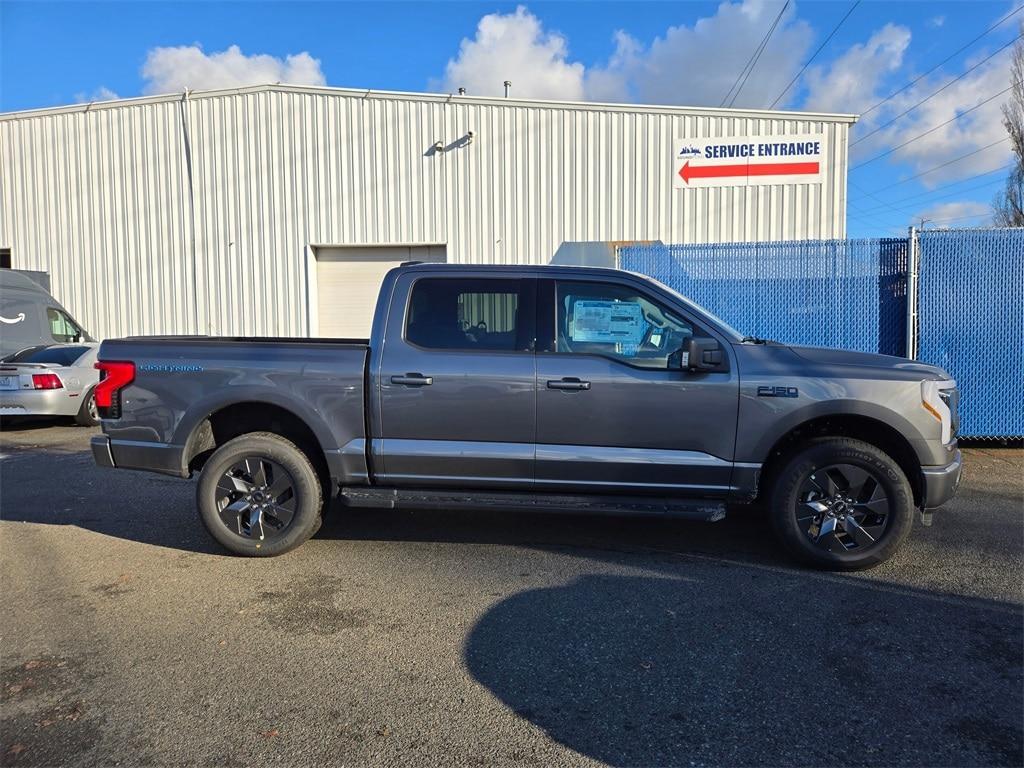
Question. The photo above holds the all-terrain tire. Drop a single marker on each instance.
(307, 494)
(822, 453)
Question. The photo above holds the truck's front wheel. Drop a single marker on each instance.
(259, 495)
(842, 504)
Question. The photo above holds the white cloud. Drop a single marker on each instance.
(869, 72)
(168, 70)
(514, 47)
(699, 64)
(851, 82)
(936, 21)
(100, 94)
(958, 214)
(689, 65)
(962, 135)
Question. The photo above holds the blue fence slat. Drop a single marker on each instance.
(971, 321)
(833, 293)
(852, 294)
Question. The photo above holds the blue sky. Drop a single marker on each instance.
(659, 52)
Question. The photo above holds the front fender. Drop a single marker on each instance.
(764, 424)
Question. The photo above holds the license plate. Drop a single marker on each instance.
(8, 382)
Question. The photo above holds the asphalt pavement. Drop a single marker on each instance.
(485, 638)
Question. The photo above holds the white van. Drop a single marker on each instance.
(31, 317)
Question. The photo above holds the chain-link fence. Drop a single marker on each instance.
(971, 322)
(849, 294)
(852, 294)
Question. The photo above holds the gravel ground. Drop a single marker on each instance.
(397, 638)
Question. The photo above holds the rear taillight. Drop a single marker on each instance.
(114, 376)
(46, 381)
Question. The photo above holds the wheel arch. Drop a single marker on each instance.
(219, 425)
(867, 429)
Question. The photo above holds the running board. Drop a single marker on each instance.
(707, 510)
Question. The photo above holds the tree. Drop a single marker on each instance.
(1009, 204)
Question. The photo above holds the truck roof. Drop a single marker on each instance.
(519, 269)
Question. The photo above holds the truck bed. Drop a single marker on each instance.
(186, 386)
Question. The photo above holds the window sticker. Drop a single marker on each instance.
(607, 322)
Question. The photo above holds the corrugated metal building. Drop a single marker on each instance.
(274, 210)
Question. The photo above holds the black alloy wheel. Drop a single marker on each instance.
(840, 503)
(259, 495)
(843, 507)
(256, 498)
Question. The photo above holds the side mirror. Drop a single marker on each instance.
(699, 354)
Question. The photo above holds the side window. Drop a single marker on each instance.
(468, 314)
(62, 327)
(618, 322)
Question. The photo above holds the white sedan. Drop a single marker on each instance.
(51, 380)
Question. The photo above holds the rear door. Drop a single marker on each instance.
(611, 415)
(457, 383)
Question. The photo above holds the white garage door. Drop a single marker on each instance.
(348, 280)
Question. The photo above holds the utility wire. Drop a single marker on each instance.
(936, 93)
(752, 61)
(875, 212)
(937, 167)
(930, 130)
(917, 79)
(903, 200)
(960, 218)
(815, 54)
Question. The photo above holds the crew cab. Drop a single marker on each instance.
(541, 388)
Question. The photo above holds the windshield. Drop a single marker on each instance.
(737, 336)
(58, 355)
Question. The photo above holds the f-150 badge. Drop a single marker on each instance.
(778, 392)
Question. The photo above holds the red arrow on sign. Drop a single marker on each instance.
(688, 172)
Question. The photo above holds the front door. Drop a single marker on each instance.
(611, 415)
(458, 384)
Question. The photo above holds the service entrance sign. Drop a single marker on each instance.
(745, 161)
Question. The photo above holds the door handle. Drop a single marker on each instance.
(571, 384)
(413, 380)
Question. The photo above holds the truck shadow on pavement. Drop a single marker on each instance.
(653, 641)
(738, 666)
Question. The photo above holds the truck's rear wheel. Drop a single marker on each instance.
(259, 495)
(842, 504)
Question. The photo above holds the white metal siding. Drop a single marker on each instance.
(349, 279)
(106, 201)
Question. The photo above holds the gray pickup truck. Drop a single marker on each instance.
(547, 388)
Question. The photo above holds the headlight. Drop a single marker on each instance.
(940, 399)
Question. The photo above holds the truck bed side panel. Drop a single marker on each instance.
(180, 382)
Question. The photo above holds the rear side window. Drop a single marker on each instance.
(469, 314)
(58, 355)
(62, 327)
(618, 322)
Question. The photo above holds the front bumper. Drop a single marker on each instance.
(940, 483)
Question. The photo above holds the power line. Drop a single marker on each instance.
(752, 61)
(941, 165)
(936, 93)
(815, 54)
(892, 203)
(917, 79)
(931, 130)
(962, 218)
(925, 204)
